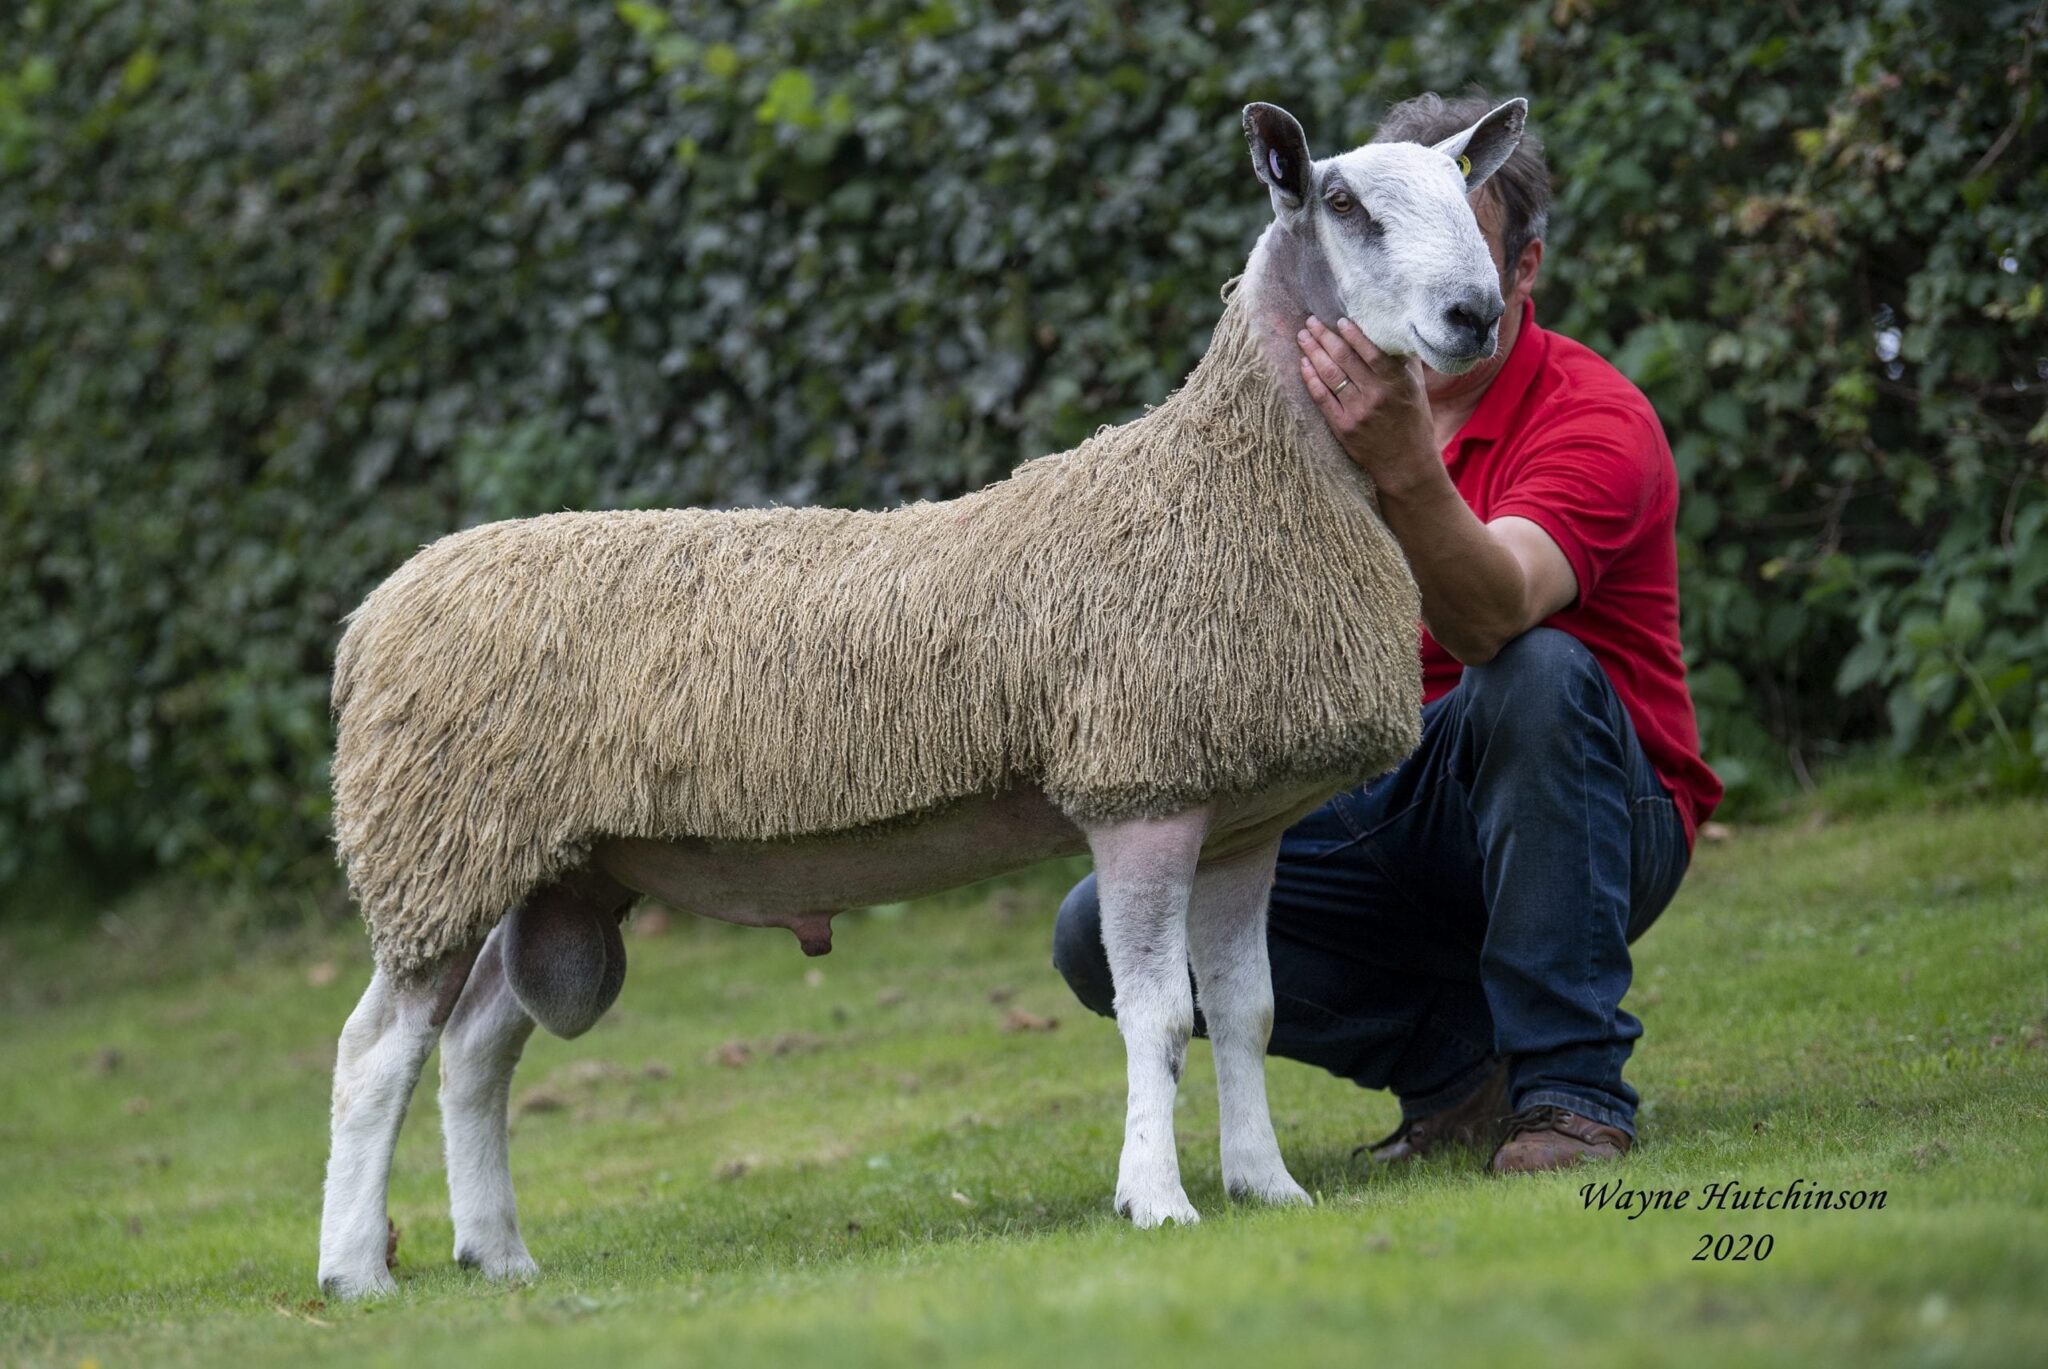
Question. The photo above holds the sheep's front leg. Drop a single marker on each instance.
(383, 1047)
(479, 1051)
(1227, 942)
(1144, 871)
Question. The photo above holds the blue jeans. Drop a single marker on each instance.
(1477, 902)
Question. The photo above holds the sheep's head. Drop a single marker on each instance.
(1392, 224)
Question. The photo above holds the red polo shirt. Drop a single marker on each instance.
(1562, 439)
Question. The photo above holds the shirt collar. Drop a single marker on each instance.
(1504, 396)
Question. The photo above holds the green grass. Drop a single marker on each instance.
(888, 1175)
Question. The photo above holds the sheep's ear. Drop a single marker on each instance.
(1279, 154)
(1483, 148)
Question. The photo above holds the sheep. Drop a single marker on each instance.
(1161, 647)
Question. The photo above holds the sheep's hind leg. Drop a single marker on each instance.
(1144, 871)
(1227, 942)
(479, 1051)
(383, 1047)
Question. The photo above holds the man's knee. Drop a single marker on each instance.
(1541, 658)
(1539, 680)
(1077, 949)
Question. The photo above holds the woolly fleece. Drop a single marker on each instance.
(1200, 602)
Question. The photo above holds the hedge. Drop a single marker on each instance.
(293, 287)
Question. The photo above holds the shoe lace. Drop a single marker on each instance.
(1541, 1117)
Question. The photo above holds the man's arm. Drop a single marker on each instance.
(1483, 584)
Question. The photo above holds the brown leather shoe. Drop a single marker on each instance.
(1472, 1122)
(1545, 1138)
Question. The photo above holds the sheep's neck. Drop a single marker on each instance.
(1286, 280)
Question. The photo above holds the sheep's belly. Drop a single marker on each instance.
(801, 884)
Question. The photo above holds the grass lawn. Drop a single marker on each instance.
(882, 1156)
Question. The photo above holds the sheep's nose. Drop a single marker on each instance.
(1472, 320)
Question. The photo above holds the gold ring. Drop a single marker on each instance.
(1340, 386)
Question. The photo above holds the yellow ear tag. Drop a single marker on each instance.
(1464, 165)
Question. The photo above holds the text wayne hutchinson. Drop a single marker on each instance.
(1730, 1195)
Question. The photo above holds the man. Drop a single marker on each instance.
(1458, 930)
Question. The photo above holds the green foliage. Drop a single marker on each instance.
(293, 288)
(1816, 242)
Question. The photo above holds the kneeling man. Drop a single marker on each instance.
(1458, 930)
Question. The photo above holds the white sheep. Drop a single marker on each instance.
(1161, 647)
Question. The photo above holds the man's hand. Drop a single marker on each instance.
(1483, 584)
(1374, 403)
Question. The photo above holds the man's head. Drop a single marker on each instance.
(1393, 223)
(1514, 204)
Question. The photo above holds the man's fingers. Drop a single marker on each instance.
(1360, 343)
(1379, 362)
(1331, 405)
(1392, 369)
(1340, 350)
(1325, 366)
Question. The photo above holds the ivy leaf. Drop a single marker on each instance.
(1962, 616)
(792, 99)
(138, 71)
(1862, 665)
(647, 21)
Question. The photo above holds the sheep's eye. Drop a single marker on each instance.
(1340, 201)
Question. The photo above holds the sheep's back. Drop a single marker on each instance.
(518, 689)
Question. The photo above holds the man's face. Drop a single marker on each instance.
(1514, 288)
(1492, 221)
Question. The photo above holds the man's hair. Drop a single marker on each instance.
(1521, 186)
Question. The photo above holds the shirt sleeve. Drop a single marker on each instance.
(1591, 482)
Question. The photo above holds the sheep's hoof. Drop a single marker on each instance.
(504, 1264)
(1158, 1209)
(350, 1287)
(1276, 1187)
